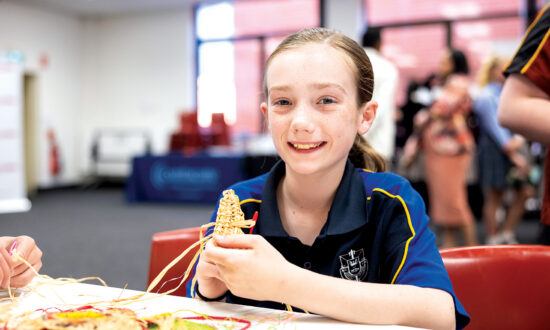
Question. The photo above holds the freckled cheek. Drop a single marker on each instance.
(278, 129)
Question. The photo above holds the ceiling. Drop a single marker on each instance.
(89, 8)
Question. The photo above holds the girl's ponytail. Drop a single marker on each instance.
(362, 155)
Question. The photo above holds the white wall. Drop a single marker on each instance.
(123, 71)
(126, 71)
(138, 73)
(36, 33)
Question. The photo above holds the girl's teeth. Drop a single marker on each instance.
(305, 146)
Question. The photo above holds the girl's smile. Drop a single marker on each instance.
(307, 147)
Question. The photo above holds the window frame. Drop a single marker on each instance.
(261, 38)
(528, 15)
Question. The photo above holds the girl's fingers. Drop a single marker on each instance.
(220, 255)
(26, 248)
(208, 270)
(32, 257)
(22, 267)
(236, 241)
(5, 268)
(25, 277)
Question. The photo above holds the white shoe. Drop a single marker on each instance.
(508, 237)
(494, 240)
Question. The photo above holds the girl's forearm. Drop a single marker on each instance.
(368, 303)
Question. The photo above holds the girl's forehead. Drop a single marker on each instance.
(309, 49)
(312, 59)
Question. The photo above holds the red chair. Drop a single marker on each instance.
(188, 139)
(219, 130)
(165, 247)
(502, 286)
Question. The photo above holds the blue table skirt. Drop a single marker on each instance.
(179, 178)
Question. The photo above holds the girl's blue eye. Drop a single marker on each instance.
(326, 100)
(282, 102)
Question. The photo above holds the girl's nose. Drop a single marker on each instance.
(302, 120)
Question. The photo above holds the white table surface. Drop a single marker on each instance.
(74, 295)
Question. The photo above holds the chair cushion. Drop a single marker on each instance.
(502, 287)
(165, 247)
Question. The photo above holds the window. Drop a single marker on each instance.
(416, 32)
(412, 50)
(380, 12)
(234, 39)
(479, 39)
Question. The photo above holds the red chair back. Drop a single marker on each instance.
(219, 130)
(502, 287)
(165, 247)
(189, 123)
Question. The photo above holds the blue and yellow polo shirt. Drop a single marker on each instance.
(376, 231)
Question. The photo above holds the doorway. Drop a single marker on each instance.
(30, 133)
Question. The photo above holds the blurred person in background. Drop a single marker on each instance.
(525, 102)
(381, 136)
(407, 111)
(448, 146)
(502, 158)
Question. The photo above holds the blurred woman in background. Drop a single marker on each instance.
(501, 161)
(448, 148)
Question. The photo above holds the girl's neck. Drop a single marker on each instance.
(304, 202)
(309, 192)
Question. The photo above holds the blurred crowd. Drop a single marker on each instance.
(446, 135)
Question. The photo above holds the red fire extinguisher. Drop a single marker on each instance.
(53, 149)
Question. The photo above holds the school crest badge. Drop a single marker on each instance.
(354, 265)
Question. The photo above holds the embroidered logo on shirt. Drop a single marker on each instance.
(354, 265)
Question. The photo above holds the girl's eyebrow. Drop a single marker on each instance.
(284, 88)
(329, 85)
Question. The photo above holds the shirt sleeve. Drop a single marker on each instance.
(421, 264)
(532, 59)
(483, 109)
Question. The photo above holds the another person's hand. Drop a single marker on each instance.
(514, 143)
(13, 271)
(521, 165)
(421, 119)
(250, 266)
(208, 277)
(410, 151)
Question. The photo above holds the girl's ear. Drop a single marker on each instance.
(263, 107)
(368, 113)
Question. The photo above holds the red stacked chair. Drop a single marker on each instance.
(188, 138)
(219, 131)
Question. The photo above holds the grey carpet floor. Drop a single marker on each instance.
(95, 232)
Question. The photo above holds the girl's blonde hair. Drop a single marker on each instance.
(362, 155)
(484, 73)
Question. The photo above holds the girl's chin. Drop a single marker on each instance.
(304, 168)
(315, 166)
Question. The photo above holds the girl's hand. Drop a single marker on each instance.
(5, 267)
(208, 277)
(13, 271)
(250, 266)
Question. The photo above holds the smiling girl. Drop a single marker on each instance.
(335, 234)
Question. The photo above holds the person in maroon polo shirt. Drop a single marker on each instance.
(525, 101)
